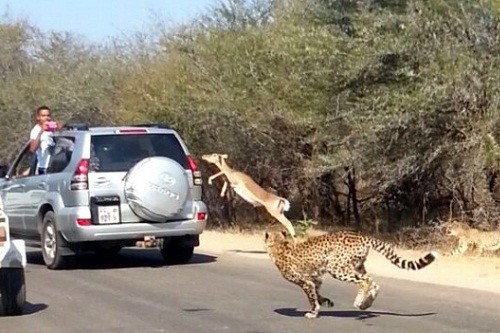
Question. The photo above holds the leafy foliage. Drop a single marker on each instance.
(373, 114)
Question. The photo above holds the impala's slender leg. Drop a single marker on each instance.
(211, 178)
(248, 190)
(224, 188)
(283, 220)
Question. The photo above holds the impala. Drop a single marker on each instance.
(249, 190)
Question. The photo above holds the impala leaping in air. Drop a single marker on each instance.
(249, 190)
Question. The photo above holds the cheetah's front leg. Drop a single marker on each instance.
(312, 296)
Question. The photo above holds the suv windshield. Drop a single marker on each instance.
(110, 153)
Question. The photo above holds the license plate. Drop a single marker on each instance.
(108, 214)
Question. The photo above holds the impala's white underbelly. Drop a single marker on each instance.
(243, 193)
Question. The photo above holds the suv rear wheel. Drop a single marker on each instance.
(51, 243)
(175, 252)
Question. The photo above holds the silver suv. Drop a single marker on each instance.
(106, 188)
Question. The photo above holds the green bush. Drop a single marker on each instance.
(363, 113)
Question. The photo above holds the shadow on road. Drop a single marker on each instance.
(356, 314)
(251, 252)
(30, 308)
(126, 258)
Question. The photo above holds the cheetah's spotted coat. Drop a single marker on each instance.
(342, 255)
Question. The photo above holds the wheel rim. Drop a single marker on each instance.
(49, 243)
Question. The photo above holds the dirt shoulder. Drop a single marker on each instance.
(481, 273)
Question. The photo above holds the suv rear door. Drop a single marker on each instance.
(113, 155)
(36, 188)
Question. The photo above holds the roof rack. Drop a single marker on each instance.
(153, 125)
(76, 127)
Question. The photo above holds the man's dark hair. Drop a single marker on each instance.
(43, 107)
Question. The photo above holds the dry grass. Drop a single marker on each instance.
(440, 237)
(435, 237)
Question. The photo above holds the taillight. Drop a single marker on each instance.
(196, 171)
(83, 222)
(201, 216)
(80, 179)
(132, 131)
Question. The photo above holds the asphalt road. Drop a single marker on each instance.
(136, 292)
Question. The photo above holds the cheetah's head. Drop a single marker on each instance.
(454, 228)
(275, 238)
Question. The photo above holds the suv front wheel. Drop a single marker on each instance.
(174, 252)
(51, 243)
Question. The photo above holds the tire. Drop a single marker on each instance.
(51, 243)
(175, 254)
(13, 290)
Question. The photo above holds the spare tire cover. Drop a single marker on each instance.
(156, 188)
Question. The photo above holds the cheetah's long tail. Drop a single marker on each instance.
(388, 251)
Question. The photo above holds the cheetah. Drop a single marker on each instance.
(470, 239)
(341, 254)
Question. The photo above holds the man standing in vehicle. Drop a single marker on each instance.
(41, 138)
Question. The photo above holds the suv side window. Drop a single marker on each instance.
(25, 165)
(61, 154)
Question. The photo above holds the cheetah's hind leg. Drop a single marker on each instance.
(365, 298)
(368, 290)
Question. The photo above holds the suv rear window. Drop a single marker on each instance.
(120, 152)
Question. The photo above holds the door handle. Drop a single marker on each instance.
(13, 186)
(41, 185)
(101, 180)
